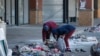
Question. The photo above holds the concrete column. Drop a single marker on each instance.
(39, 11)
(35, 8)
(32, 11)
(98, 10)
(32, 17)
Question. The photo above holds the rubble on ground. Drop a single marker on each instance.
(76, 44)
(93, 28)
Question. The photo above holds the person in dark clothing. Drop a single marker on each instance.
(65, 31)
(47, 30)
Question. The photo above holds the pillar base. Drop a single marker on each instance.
(85, 18)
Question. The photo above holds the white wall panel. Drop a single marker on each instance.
(13, 12)
(26, 19)
(21, 11)
(72, 8)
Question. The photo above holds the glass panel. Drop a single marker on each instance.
(25, 11)
(13, 12)
(21, 11)
(2, 10)
(8, 11)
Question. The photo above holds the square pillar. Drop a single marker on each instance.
(35, 11)
(85, 18)
(85, 13)
(98, 9)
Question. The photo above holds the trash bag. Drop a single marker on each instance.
(61, 44)
(15, 51)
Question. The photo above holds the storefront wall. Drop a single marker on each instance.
(22, 12)
(46, 10)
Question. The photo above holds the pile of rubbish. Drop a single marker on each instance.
(77, 43)
(93, 29)
(35, 49)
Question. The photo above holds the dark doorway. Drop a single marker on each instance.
(65, 11)
(16, 12)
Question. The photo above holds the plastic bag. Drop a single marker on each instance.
(61, 44)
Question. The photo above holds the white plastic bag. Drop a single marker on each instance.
(61, 44)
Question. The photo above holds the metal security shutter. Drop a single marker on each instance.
(53, 10)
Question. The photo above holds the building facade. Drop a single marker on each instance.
(78, 12)
(14, 12)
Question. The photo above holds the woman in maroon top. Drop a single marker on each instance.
(47, 29)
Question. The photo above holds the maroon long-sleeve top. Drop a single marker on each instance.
(46, 34)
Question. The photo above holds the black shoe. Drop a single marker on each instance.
(82, 50)
(67, 50)
(76, 50)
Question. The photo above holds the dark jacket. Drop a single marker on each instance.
(64, 29)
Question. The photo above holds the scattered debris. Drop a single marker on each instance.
(53, 48)
(93, 29)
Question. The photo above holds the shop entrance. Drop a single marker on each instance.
(16, 12)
